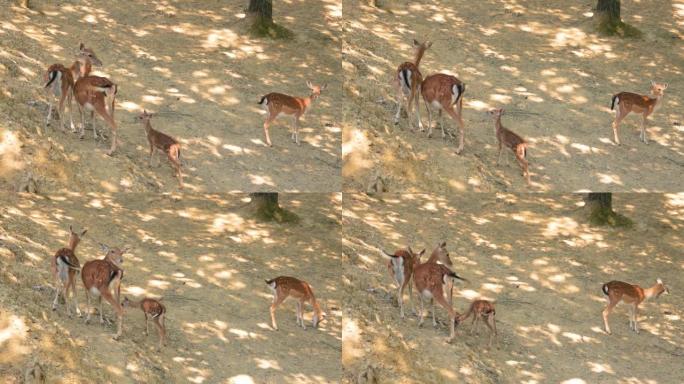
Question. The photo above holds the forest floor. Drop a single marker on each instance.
(541, 263)
(542, 63)
(208, 260)
(193, 63)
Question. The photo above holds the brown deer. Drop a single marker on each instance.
(441, 255)
(407, 82)
(444, 92)
(617, 291)
(65, 266)
(429, 279)
(95, 93)
(508, 138)
(283, 287)
(480, 309)
(152, 309)
(163, 142)
(400, 266)
(277, 103)
(100, 278)
(60, 80)
(632, 102)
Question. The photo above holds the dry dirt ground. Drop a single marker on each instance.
(544, 267)
(205, 256)
(537, 59)
(192, 62)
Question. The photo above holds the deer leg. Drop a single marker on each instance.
(492, 328)
(457, 115)
(434, 315)
(119, 312)
(635, 311)
(400, 298)
(442, 301)
(616, 125)
(60, 289)
(429, 111)
(49, 115)
(400, 100)
(523, 163)
(102, 111)
(70, 103)
(99, 302)
(417, 102)
(410, 289)
(472, 323)
(643, 129)
(409, 107)
(277, 300)
(147, 324)
(268, 122)
(88, 310)
(160, 330)
(93, 122)
(606, 312)
(73, 292)
(81, 112)
(296, 132)
(62, 97)
(422, 311)
(301, 313)
(441, 124)
(174, 158)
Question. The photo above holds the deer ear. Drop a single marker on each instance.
(410, 250)
(81, 46)
(659, 281)
(422, 252)
(415, 42)
(443, 244)
(70, 230)
(125, 250)
(428, 44)
(501, 110)
(653, 83)
(308, 84)
(666, 85)
(324, 86)
(104, 247)
(84, 232)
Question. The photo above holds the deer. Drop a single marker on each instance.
(60, 80)
(163, 142)
(444, 92)
(284, 287)
(65, 267)
(617, 291)
(400, 265)
(278, 103)
(97, 94)
(100, 278)
(441, 255)
(407, 81)
(154, 309)
(429, 280)
(508, 138)
(482, 310)
(632, 102)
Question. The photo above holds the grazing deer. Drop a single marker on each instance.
(154, 309)
(60, 80)
(65, 266)
(277, 103)
(482, 309)
(429, 279)
(400, 266)
(508, 138)
(163, 142)
(631, 102)
(407, 82)
(95, 93)
(100, 277)
(617, 291)
(283, 287)
(444, 92)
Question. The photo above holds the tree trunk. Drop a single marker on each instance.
(266, 208)
(609, 10)
(601, 211)
(609, 22)
(261, 10)
(261, 14)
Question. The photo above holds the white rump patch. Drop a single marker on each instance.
(427, 294)
(94, 291)
(454, 93)
(398, 267)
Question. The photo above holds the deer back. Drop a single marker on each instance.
(99, 274)
(439, 87)
(159, 139)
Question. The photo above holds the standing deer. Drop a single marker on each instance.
(441, 255)
(65, 266)
(102, 276)
(632, 102)
(429, 279)
(617, 291)
(508, 138)
(277, 103)
(480, 309)
(407, 82)
(400, 266)
(444, 92)
(165, 143)
(152, 309)
(95, 93)
(283, 287)
(60, 80)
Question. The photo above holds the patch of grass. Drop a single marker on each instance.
(267, 28)
(608, 28)
(600, 216)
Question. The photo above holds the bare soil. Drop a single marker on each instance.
(194, 64)
(205, 256)
(536, 257)
(542, 63)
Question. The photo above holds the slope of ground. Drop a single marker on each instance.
(538, 60)
(191, 62)
(208, 260)
(544, 267)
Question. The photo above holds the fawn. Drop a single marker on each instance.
(482, 309)
(441, 255)
(165, 143)
(407, 82)
(283, 287)
(444, 92)
(400, 266)
(60, 81)
(631, 102)
(508, 138)
(277, 103)
(617, 291)
(65, 266)
(429, 279)
(98, 94)
(100, 277)
(154, 309)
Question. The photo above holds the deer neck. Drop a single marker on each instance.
(497, 124)
(656, 100)
(148, 127)
(419, 55)
(653, 291)
(72, 245)
(316, 307)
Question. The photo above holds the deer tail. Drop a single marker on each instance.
(612, 104)
(263, 101)
(604, 288)
(454, 275)
(52, 76)
(405, 75)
